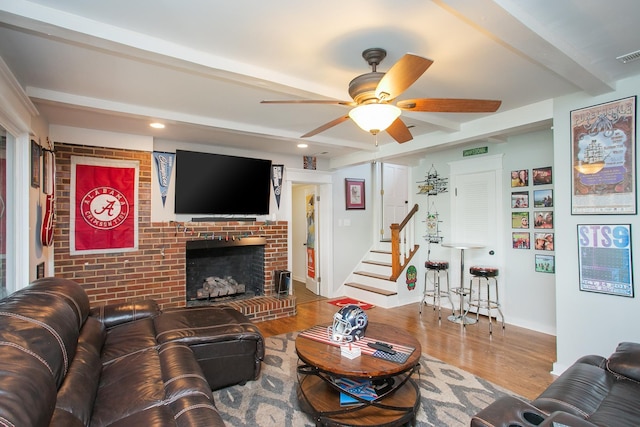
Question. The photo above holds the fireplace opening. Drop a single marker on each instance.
(223, 270)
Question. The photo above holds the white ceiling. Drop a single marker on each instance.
(203, 66)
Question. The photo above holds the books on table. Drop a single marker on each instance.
(361, 388)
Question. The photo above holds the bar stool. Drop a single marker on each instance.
(435, 270)
(487, 276)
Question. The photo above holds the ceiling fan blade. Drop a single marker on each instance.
(449, 105)
(326, 126)
(399, 131)
(401, 75)
(310, 101)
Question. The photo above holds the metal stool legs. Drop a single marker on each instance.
(486, 277)
(432, 275)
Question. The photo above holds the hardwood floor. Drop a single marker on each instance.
(517, 359)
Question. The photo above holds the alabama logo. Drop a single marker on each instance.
(104, 208)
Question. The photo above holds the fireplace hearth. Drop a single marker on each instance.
(223, 270)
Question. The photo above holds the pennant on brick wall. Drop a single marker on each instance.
(276, 179)
(104, 205)
(164, 165)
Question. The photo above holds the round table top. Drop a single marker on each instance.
(463, 245)
(327, 357)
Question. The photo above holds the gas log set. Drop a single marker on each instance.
(216, 287)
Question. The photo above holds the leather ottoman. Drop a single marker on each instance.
(227, 345)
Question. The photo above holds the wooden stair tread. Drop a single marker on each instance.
(371, 289)
(380, 251)
(380, 263)
(374, 275)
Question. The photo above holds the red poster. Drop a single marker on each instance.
(311, 263)
(104, 218)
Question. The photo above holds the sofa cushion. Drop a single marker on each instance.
(579, 390)
(128, 338)
(626, 361)
(621, 407)
(78, 391)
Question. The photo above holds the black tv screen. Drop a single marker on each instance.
(215, 184)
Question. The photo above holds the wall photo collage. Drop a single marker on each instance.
(532, 213)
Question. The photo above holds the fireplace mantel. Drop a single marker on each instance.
(225, 242)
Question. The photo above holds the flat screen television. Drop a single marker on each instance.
(215, 184)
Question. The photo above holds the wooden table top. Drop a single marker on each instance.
(327, 357)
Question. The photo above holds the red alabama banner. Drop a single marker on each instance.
(104, 217)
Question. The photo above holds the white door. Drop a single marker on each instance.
(312, 249)
(476, 212)
(394, 197)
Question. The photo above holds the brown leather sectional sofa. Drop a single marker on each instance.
(593, 392)
(62, 364)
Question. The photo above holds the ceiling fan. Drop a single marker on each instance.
(373, 93)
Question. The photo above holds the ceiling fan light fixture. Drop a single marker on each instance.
(374, 118)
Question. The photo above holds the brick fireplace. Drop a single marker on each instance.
(223, 270)
(157, 269)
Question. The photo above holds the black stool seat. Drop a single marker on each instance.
(483, 271)
(436, 265)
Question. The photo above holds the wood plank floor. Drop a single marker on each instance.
(517, 359)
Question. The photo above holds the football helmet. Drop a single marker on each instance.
(349, 324)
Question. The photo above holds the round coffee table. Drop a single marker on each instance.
(321, 363)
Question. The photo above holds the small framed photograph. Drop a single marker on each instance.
(542, 176)
(543, 219)
(35, 164)
(519, 199)
(354, 192)
(521, 240)
(545, 263)
(543, 198)
(543, 241)
(520, 178)
(520, 219)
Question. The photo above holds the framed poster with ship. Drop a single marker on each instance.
(603, 140)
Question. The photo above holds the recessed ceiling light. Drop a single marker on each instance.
(157, 125)
(302, 145)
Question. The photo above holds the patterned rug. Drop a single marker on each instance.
(449, 396)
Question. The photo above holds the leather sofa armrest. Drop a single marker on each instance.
(563, 418)
(115, 314)
(508, 411)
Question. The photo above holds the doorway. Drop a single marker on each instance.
(476, 206)
(394, 197)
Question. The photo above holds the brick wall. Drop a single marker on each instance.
(157, 269)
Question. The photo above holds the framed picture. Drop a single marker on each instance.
(520, 178)
(35, 164)
(543, 219)
(542, 176)
(521, 240)
(354, 192)
(543, 198)
(519, 199)
(603, 141)
(543, 241)
(604, 259)
(520, 219)
(545, 263)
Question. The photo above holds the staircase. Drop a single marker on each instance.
(378, 279)
(370, 282)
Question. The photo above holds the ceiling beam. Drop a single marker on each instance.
(509, 24)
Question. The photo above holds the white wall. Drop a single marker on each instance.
(352, 228)
(529, 297)
(587, 323)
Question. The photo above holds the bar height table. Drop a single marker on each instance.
(461, 318)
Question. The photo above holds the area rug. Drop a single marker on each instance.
(449, 396)
(341, 302)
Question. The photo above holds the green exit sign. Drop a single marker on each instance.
(475, 151)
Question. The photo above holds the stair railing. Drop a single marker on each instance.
(403, 245)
